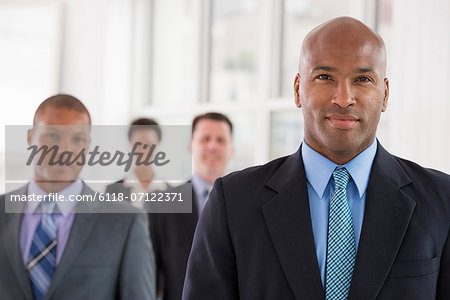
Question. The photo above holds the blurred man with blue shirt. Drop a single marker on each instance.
(172, 234)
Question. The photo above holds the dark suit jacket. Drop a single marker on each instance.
(254, 239)
(119, 187)
(108, 256)
(172, 236)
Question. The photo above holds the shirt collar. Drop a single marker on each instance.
(64, 207)
(319, 169)
(200, 185)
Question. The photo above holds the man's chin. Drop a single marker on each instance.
(347, 144)
(58, 177)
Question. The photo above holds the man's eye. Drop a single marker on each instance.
(364, 79)
(323, 77)
(79, 140)
(53, 136)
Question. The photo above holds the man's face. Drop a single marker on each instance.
(342, 90)
(211, 148)
(70, 131)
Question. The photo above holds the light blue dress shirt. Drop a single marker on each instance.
(320, 184)
(201, 189)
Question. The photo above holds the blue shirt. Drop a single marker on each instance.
(319, 170)
(201, 188)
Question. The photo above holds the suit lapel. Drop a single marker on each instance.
(82, 226)
(288, 219)
(189, 220)
(386, 218)
(11, 242)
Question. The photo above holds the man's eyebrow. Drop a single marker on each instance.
(364, 70)
(325, 68)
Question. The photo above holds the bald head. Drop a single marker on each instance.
(61, 101)
(341, 87)
(348, 35)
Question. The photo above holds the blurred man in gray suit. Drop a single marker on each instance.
(52, 252)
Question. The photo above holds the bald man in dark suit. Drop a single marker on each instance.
(339, 219)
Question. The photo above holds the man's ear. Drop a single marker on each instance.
(233, 150)
(386, 94)
(30, 137)
(297, 90)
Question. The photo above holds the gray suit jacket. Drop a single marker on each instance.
(108, 256)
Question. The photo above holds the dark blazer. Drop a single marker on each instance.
(119, 187)
(108, 256)
(254, 239)
(172, 236)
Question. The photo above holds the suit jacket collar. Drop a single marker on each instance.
(190, 220)
(386, 218)
(387, 214)
(11, 242)
(82, 226)
(288, 219)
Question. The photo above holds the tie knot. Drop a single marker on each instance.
(47, 206)
(341, 177)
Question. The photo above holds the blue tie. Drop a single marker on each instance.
(42, 259)
(341, 250)
(204, 198)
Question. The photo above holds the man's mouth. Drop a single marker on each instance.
(342, 121)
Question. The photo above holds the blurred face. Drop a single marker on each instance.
(211, 149)
(70, 131)
(342, 90)
(146, 137)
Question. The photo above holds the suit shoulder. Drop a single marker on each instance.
(115, 186)
(127, 208)
(428, 186)
(179, 188)
(2, 204)
(249, 183)
(428, 176)
(256, 174)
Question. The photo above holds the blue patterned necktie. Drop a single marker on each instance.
(341, 250)
(42, 259)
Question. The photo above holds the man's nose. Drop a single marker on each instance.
(212, 144)
(66, 144)
(344, 96)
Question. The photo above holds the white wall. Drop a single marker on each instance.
(97, 57)
(419, 108)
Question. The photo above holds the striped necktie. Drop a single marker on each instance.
(341, 250)
(42, 259)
